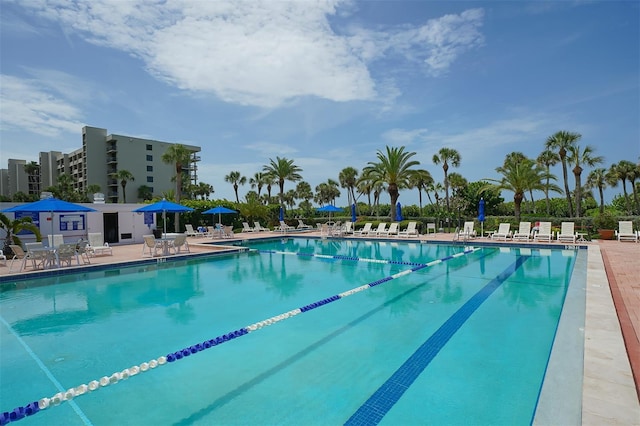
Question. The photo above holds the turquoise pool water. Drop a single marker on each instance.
(462, 341)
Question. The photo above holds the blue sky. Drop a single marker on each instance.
(325, 83)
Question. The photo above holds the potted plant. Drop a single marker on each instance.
(605, 223)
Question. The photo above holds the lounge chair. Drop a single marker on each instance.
(55, 240)
(382, 226)
(21, 255)
(503, 232)
(302, 225)
(192, 232)
(467, 230)
(411, 230)
(364, 230)
(430, 227)
(97, 246)
(544, 232)
(567, 233)
(391, 231)
(523, 232)
(151, 245)
(283, 227)
(3, 258)
(246, 227)
(227, 231)
(179, 243)
(347, 228)
(625, 231)
(259, 228)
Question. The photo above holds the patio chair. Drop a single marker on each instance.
(411, 230)
(227, 231)
(190, 232)
(503, 232)
(347, 228)
(66, 254)
(382, 226)
(391, 231)
(258, 227)
(179, 243)
(97, 245)
(544, 232)
(567, 233)
(467, 230)
(283, 227)
(55, 240)
(82, 247)
(246, 227)
(431, 227)
(302, 225)
(625, 231)
(21, 255)
(365, 229)
(151, 245)
(3, 258)
(523, 232)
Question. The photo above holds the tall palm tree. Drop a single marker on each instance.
(597, 178)
(32, 169)
(283, 169)
(548, 158)
(579, 157)
(447, 156)
(620, 172)
(365, 186)
(259, 180)
(348, 178)
(204, 190)
(421, 180)
(561, 141)
(393, 169)
(124, 176)
(235, 178)
(179, 156)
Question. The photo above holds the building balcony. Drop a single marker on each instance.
(112, 160)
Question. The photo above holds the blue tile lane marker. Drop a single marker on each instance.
(383, 399)
(37, 406)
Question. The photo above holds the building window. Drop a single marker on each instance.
(149, 157)
(149, 147)
(149, 168)
(149, 178)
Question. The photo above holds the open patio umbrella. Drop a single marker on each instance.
(399, 212)
(354, 217)
(49, 205)
(330, 209)
(164, 207)
(219, 210)
(481, 216)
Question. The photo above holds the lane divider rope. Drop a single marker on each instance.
(94, 385)
(340, 257)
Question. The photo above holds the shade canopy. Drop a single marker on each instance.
(49, 205)
(164, 206)
(329, 208)
(399, 212)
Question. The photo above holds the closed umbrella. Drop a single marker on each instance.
(353, 213)
(481, 215)
(399, 212)
(164, 207)
(219, 210)
(281, 214)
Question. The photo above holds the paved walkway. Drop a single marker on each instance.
(611, 383)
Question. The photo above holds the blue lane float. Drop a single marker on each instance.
(340, 257)
(94, 385)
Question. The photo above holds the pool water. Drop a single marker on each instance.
(463, 341)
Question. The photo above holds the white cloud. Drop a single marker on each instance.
(262, 53)
(403, 137)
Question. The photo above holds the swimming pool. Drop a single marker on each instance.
(463, 340)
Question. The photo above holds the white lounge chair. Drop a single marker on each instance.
(431, 227)
(55, 240)
(382, 226)
(523, 232)
(192, 232)
(283, 227)
(544, 232)
(347, 228)
(503, 232)
(227, 231)
(97, 245)
(246, 227)
(391, 231)
(151, 245)
(259, 228)
(567, 233)
(365, 229)
(467, 230)
(179, 243)
(411, 231)
(625, 231)
(302, 225)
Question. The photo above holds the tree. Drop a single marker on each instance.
(64, 189)
(393, 169)
(561, 141)
(303, 191)
(348, 178)
(597, 178)
(579, 157)
(282, 169)
(421, 180)
(32, 170)
(124, 176)
(548, 158)
(258, 181)
(13, 227)
(204, 190)
(179, 156)
(235, 178)
(447, 156)
(145, 193)
(620, 172)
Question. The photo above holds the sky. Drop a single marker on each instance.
(326, 83)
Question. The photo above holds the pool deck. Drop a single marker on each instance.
(611, 381)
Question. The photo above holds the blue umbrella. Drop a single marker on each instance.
(50, 205)
(219, 210)
(353, 213)
(164, 207)
(330, 209)
(281, 214)
(399, 212)
(481, 215)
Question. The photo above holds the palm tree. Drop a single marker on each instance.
(597, 178)
(180, 156)
(421, 180)
(32, 170)
(393, 169)
(204, 190)
(561, 141)
(235, 178)
(579, 157)
(145, 192)
(548, 158)
(258, 181)
(348, 178)
(365, 186)
(282, 169)
(447, 156)
(620, 172)
(13, 227)
(124, 176)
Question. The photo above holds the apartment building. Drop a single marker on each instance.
(98, 162)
